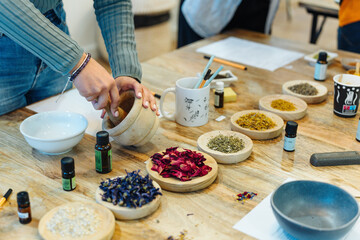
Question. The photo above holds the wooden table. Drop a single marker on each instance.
(325, 8)
(206, 214)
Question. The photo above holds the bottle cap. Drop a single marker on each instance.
(102, 138)
(322, 56)
(219, 86)
(291, 127)
(67, 164)
(23, 198)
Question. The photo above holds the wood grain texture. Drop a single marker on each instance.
(298, 113)
(211, 212)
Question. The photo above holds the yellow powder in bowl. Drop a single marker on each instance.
(255, 121)
(283, 105)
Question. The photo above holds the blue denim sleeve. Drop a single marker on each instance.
(116, 21)
(22, 22)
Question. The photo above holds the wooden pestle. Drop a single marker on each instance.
(113, 119)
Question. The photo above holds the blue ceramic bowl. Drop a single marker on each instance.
(314, 210)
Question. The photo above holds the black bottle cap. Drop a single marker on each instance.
(102, 138)
(23, 198)
(322, 56)
(291, 127)
(67, 164)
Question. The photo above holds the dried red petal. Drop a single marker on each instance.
(182, 165)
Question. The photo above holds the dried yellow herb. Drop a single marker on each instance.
(283, 105)
(255, 121)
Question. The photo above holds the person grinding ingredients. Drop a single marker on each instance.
(38, 57)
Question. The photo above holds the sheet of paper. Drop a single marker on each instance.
(72, 101)
(261, 223)
(250, 53)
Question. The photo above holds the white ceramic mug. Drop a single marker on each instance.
(191, 105)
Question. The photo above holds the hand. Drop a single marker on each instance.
(97, 86)
(125, 83)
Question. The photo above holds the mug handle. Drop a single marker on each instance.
(166, 115)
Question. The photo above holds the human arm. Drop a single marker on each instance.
(22, 22)
(115, 19)
(26, 25)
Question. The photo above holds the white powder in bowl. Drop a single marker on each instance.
(74, 222)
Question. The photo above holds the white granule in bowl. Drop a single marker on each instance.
(74, 222)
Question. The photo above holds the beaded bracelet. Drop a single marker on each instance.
(80, 68)
(75, 74)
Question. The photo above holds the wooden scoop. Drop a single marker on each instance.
(357, 69)
(113, 119)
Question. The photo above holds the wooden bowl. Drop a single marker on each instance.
(301, 106)
(319, 97)
(225, 158)
(104, 231)
(257, 134)
(139, 125)
(175, 185)
(125, 213)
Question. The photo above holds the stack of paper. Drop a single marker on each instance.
(250, 53)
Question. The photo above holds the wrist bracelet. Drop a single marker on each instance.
(80, 68)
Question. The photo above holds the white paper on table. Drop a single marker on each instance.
(72, 101)
(250, 53)
(261, 223)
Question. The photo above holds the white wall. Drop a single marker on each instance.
(82, 24)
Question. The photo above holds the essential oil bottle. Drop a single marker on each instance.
(103, 154)
(320, 67)
(68, 173)
(290, 136)
(219, 95)
(24, 211)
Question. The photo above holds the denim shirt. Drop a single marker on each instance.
(209, 17)
(23, 21)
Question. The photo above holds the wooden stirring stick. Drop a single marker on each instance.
(113, 119)
(340, 78)
(357, 72)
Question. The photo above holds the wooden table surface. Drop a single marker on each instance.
(206, 214)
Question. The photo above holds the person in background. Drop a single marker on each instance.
(200, 19)
(349, 26)
(37, 55)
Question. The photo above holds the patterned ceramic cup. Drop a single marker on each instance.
(191, 105)
(346, 94)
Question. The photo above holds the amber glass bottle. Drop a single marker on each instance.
(24, 210)
(103, 154)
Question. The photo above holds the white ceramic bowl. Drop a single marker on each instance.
(54, 132)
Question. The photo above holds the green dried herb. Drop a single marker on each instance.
(304, 89)
(226, 144)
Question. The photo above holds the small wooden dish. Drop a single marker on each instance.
(175, 185)
(257, 134)
(104, 231)
(225, 158)
(125, 213)
(319, 97)
(301, 106)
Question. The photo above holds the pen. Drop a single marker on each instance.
(156, 95)
(227, 63)
(5, 197)
(207, 75)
